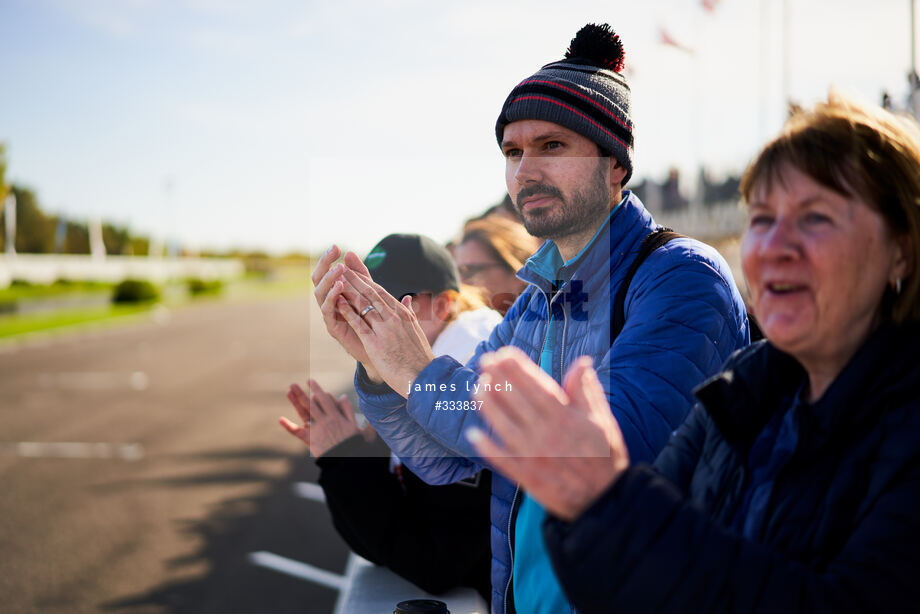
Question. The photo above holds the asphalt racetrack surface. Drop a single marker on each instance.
(141, 465)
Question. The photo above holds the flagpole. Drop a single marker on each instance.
(786, 46)
(764, 89)
(913, 37)
(696, 196)
(96, 242)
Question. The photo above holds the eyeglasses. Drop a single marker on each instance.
(468, 271)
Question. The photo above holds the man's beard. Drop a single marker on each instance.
(572, 216)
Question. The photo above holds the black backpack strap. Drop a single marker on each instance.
(650, 243)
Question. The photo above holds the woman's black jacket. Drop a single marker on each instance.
(437, 537)
(842, 526)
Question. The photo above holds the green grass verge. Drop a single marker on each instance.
(19, 291)
(14, 325)
(284, 281)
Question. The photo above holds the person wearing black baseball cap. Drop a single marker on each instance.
(409, 264)
(567, 136)
(449, 314)
(383, 511)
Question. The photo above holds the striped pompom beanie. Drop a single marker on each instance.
(584, 92)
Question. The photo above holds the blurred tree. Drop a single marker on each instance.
(76, 240)
(117, 240)
(3, 191)
(3, 162)
(34, 229)
(295, 257)
(139, 246)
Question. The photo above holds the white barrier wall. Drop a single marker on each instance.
(47, 268)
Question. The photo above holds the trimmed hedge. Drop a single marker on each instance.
(135, 291)
(200, 287)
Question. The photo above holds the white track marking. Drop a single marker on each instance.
(95, 380)
(354, 561)
(308, 490)
(298, 569)
(73, 449)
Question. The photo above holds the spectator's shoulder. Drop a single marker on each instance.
(684, 266)
(689, 282)
(686, 253)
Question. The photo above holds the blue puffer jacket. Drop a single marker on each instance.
(684, 317)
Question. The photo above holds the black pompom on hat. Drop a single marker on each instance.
(598, 45)
(584, 92)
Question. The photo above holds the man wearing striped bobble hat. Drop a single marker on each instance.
(652, 331)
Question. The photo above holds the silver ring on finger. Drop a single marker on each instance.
(366, 310)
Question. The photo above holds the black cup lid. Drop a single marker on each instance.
(421, 606)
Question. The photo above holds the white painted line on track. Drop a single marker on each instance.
(73, 449)
(308, 490)
(354, 561)
(298, 569)
(94, 380)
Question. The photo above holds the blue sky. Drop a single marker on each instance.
(289, 125)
